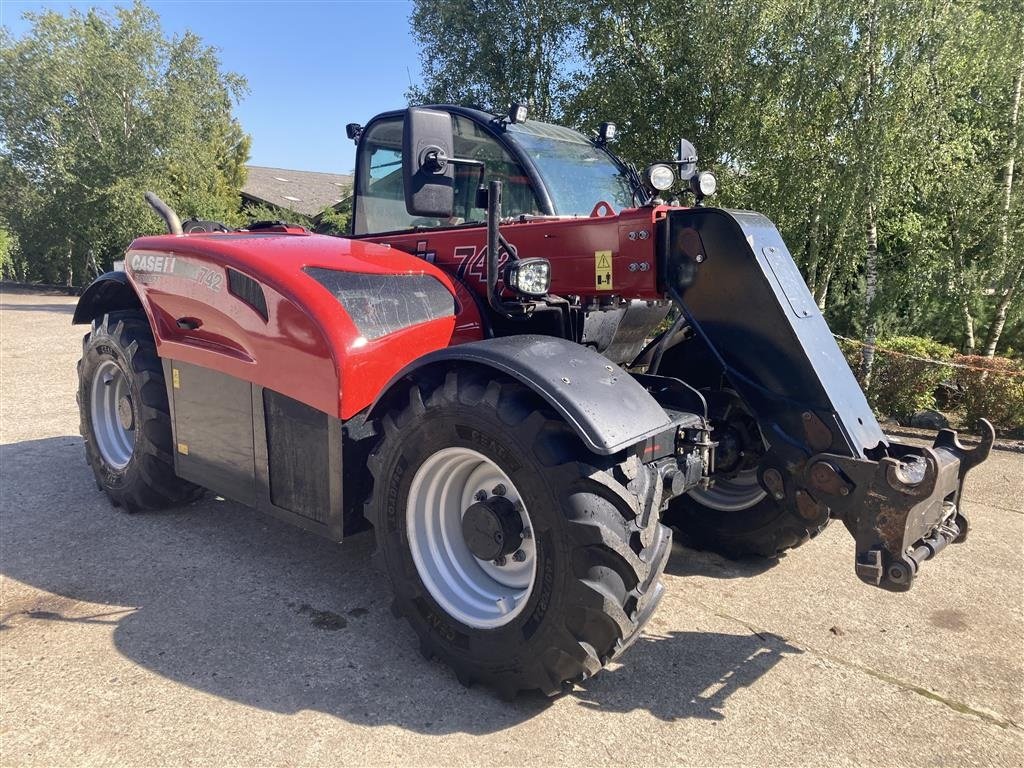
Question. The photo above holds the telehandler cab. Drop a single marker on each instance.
(477, 371)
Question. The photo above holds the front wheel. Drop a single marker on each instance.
(519, 558)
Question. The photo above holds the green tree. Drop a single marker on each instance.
(880, 136)
(1009, 243)
(493, 52)
(96, 108)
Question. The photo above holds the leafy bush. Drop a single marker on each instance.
(8, 245)
(335, 221)
(851, 351)
(995, 392)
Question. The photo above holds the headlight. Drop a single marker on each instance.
(529, 276)
(660, 176)
(703, 184)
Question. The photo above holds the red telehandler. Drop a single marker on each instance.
(517, 368)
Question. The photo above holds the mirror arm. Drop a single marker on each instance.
(471, 163)
(439, 164)
(438, 160)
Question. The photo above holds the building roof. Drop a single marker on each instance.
(305, 192)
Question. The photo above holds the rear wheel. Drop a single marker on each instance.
(736, 517)
(125, 419)
(519, 558)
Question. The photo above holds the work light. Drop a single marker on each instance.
(517, 112)
(529, 276)
(660, 176)
(703, 184)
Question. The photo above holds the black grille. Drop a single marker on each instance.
(248, 290)
(383, 304)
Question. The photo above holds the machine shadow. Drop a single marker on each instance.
(224, 600)
(688, 561)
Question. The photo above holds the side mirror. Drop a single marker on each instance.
(426, 168)
(687, 160)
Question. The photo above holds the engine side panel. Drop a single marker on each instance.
(256, 446)
(212, 426)
(288, 351)
(242, 304)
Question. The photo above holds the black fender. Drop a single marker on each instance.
(607, 407)
(107, 293)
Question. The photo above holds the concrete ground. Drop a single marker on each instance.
(213, 635)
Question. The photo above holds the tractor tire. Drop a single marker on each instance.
(764, 529)
(125, 419)
(736, 517)
(585, 576)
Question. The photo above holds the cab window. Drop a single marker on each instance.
(380, 202)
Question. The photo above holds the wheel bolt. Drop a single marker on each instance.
(527, 533)
(498, 490)
(519, 556)
(500, 560)
(481, 496)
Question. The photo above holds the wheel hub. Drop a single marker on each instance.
(112, 414)
(740, 447)
(125, 413)
(492, 528)
(464, 518)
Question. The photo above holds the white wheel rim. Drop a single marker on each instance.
(737, 493)
(475, 592)
(115, 442)
(733, 495)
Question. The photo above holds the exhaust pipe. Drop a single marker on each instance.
(166, 213)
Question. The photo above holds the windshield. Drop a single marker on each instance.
(577, 174)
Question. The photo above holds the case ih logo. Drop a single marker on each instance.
(473, 263)
(423, 253)
(152, 262)
(150, 267)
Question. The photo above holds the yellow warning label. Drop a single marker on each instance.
(183, 449)
(603, 270)
(175, 381)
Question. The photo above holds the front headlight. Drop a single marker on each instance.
(529, 276)
(660, 176)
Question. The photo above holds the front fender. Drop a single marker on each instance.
(607, 407)
(109, 292)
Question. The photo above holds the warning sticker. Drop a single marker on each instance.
(603, 270)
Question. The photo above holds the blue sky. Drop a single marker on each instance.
(312, 66)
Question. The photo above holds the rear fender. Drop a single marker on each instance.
(109, 292)
(607, 408)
